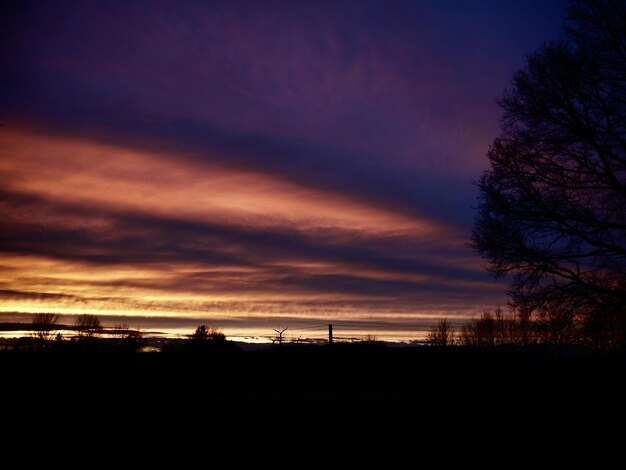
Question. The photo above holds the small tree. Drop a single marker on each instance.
(442, 333)
(87, 326)
(211, 333)
(43, 326)
(479, 332)
(369, 338)
(467, 336)
(127, 338)
(120, 330)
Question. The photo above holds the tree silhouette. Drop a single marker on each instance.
(87, 326)
(126, 338)
(200, 334)
(203, 333)
(43, 325)
(442, 334)
(551, 208)
(498, 328)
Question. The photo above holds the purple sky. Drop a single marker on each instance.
(248, 163)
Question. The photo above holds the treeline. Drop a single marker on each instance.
(86, 333)
(492, 329)
(500, 328)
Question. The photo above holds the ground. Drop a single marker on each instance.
(368, 406)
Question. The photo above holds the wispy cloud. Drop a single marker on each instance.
(100, 227)
(244, 160)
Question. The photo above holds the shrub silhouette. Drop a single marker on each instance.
(43, 326)
(442, 334)
(203, 333)
(87, 326)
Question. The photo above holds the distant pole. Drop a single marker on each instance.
(330, 333)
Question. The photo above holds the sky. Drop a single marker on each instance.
(252, 165)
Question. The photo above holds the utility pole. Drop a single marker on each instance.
(330, 333)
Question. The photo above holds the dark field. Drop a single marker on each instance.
(304, 407)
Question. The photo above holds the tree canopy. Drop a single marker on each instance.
(551, 207)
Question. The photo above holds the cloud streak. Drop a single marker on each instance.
(232, 160)
(183, 237)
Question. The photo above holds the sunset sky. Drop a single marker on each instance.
(252, 165)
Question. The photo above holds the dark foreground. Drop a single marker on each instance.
(355, 406)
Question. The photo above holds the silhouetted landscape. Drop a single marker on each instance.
(230, 164)
(210, 403)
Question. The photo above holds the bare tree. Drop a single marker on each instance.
(370, 338)
(127, 338)
(552, 207)
(120, 330)
(507, 327)
(442, 333)
(468, 336)
(559, 324)
(43, 326)
(481, 331)
(87, 326)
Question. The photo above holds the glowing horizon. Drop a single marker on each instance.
(319, 169)
(108, 181)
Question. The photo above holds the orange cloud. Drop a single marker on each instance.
(105, 229)
(90, 173)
